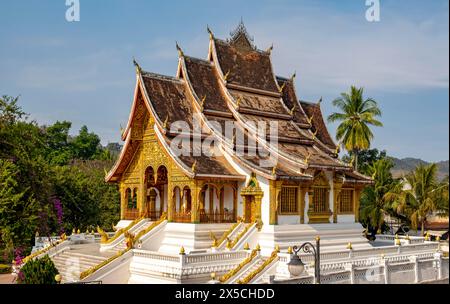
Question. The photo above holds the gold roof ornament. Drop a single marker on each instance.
(336, 151)
(238, 101)
(211, 35)
(202, 103)
(225, 77)
(320, 101)
(138, 67)
(258, 248)
(282, 87)
(247, 246)
(349, 246)
(194, 166)
(407, 237)
(307, 157)
(269, 50)
(291, 112)
(180, 51)
(166, 122)
(213, 276)
(182, 251)
(318, 238)
(310, 119)
(274, 170)
(290, 250)
(78, 231)
(294, 75)
(314, 135)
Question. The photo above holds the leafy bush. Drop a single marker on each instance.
(38, 271)
(5, 269)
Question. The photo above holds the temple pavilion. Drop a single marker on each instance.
(235, 85)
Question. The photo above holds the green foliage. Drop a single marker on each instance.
(365, 159)
(39, 164)
(419, 195)
(38, 271)
(356, 115)
(374, 207)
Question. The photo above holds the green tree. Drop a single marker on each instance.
(57, 135)
(418, 195)
(356, 115)
(38, 271)
(86, 145)
(366, 158)
(374, 207)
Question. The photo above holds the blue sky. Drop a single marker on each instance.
(83, 72)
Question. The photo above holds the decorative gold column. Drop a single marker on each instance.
(170, 203)
(195, 211)
(258, 219)
(275, 189)
(356, 199)
(336, 199)
(123, 202)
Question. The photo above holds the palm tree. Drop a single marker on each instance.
(374, 207)
(419, 195)
(357, 114)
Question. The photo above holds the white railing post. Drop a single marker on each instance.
(385, 264)
(414, 260)
(438, 264)
(351, 268)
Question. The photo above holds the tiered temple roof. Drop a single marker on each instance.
(235, 84)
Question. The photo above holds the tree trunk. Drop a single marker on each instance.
(355, 165)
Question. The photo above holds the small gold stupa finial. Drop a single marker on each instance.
(258, 248)
(247, 246)
(182, 251)
(277, 248)
(290, 251)
(349, 246)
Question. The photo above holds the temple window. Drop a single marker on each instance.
(129, 198)
(288, 200)
(346, 201)
(134, 200)
(320, 199)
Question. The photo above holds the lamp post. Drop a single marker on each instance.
(296, 265)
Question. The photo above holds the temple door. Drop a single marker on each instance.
(249, 212)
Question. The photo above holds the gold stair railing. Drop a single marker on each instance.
(258, 270)
(44, 250)
(235, 270)
(119, 232)
(130, 241)
(231, 244)
(217, 243)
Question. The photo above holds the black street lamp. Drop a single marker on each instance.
(296, 266)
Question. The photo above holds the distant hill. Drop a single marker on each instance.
(405, 165)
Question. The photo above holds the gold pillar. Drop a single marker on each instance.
(195, 210)
(275, 189)
(170, 203)
(123, 202)
(258, 199)
(336, 200)
(356, 198)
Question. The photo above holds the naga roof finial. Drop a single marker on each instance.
(138, 67)
(180, 51)
(294, 75)
(320, 101)
(211, 35)
(269, 50)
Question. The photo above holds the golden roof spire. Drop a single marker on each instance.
(211, 35)
(180, 51)
(138, 67)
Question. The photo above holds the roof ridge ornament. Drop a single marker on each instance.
(270, 49)
(291, 112)
(194, 166)
(202, 103)
(225, 77)
(241, 30)
(138, 67)
(320, 101)
(166, 122)
(294, 75)
(314, 134)
(308, 157)
(274, 170)
(282, 87)
(211, 34)
(180, 51)
(310, 119)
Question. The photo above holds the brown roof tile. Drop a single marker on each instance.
(313, 110)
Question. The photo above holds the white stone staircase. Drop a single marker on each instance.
(71, 263)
